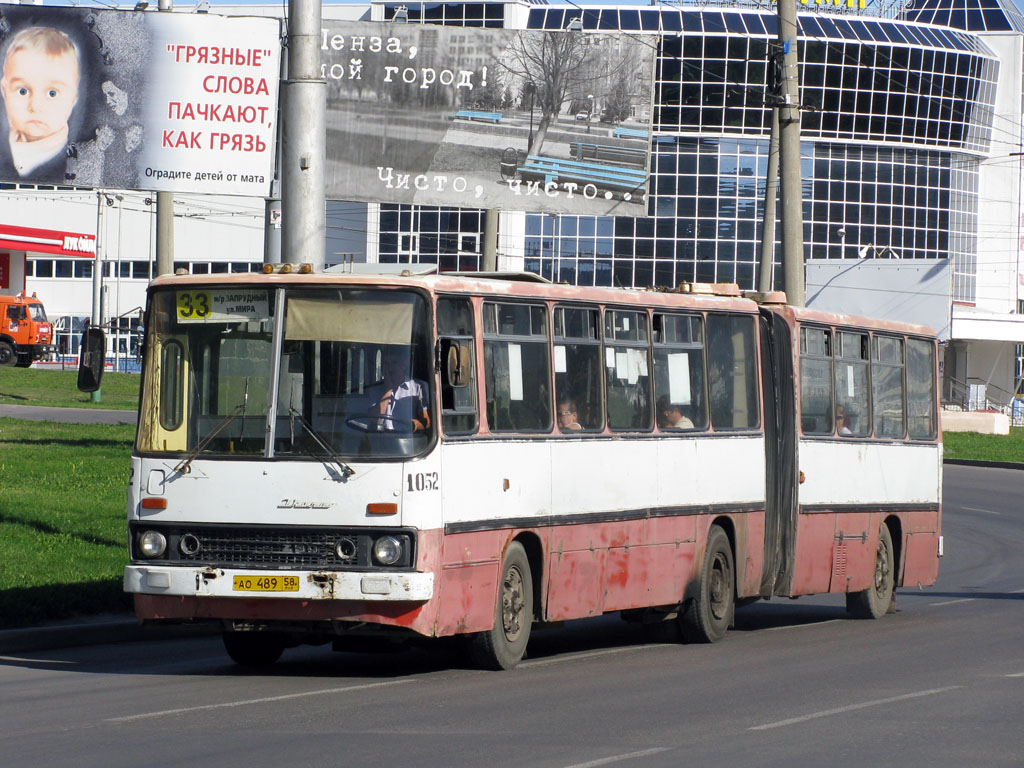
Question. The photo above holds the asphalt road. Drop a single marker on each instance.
(940, 683)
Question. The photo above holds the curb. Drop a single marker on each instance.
(982, 463)
(101, 631)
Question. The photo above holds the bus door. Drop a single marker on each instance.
(780, 454)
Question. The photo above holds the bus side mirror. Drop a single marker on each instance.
(91, 357)
(458, 364)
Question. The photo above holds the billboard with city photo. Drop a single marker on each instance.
(488, 118)
(138, 100)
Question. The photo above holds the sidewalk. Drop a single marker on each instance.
(68, 415)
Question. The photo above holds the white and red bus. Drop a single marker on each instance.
(330, 456)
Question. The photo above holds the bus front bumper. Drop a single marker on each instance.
(296, 585)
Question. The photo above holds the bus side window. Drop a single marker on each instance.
(816, 381)
(732, 372)
(171, 385)
(516, 371)
(626, 374)
(577, 366)
(458, 398)
(679, 372)
(887, 386)
(853, 396)
(921, 389)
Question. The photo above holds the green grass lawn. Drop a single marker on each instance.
(970, 445)
(63, 539)
(37, 386)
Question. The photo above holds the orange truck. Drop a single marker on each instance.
(25, 333)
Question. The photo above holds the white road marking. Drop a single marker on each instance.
(1016, 674)
(954, 602)
(619, 758)
(852, 708)
(592, 654)
(986, 511)
(1017, 592)
(803, 626)
(246, 702)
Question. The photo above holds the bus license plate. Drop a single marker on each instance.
(265, 584)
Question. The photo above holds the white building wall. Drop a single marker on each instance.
(999, 193)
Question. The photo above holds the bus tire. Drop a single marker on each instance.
(504, 644)
(7, 354)
(709, 614)
(875, 601)
(253, 649)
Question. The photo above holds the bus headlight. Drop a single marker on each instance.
(387, 550)
(152, 544)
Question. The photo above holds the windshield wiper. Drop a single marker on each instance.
(346, 470)
(182, 467)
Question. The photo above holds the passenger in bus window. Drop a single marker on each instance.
(401, 401)
(670, 415)
(842, 421)
(568, 419)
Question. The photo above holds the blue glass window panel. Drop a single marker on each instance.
(713, 22)
(649, 20)
(494, 11)
(570, 14)
(771, 25)
(828, 27)
(995, 20)
(591, 18)
(893, 32)
(754, 24)
(693, 22)
(609, 19)
(629, 19)
(958, 18)
(555, 19)
(809, 27)
(734, 23)
(925, 16)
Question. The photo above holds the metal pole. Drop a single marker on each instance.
(771, 194)
(304, 139)
(789, 159)
(165, 210)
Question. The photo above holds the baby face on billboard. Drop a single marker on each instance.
(40, 88)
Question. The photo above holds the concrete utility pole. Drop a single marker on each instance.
(789, 158)
(165, 210)
(771, 195)
(490, 249)
(303, 140)
(96, 320)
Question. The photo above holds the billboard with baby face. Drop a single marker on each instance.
(138, 100)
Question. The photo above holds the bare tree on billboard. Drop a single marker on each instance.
(558, 64)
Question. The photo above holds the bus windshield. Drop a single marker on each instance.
(352, 376)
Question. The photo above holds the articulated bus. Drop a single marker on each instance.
(353, 459)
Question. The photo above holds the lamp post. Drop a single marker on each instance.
(590, 111)
(532, 90)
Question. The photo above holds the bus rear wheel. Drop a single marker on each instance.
(710, 613)
(503, 646)
(253, 649)
(875, 601)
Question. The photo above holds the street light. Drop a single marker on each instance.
(590, 112)
(532, 90)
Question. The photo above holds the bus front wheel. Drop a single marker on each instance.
(504, 644)
(875, 601)
(253, 649)
(710, 613)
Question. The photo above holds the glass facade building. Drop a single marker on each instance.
(896, 116)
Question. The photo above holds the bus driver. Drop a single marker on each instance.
(401, 400)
